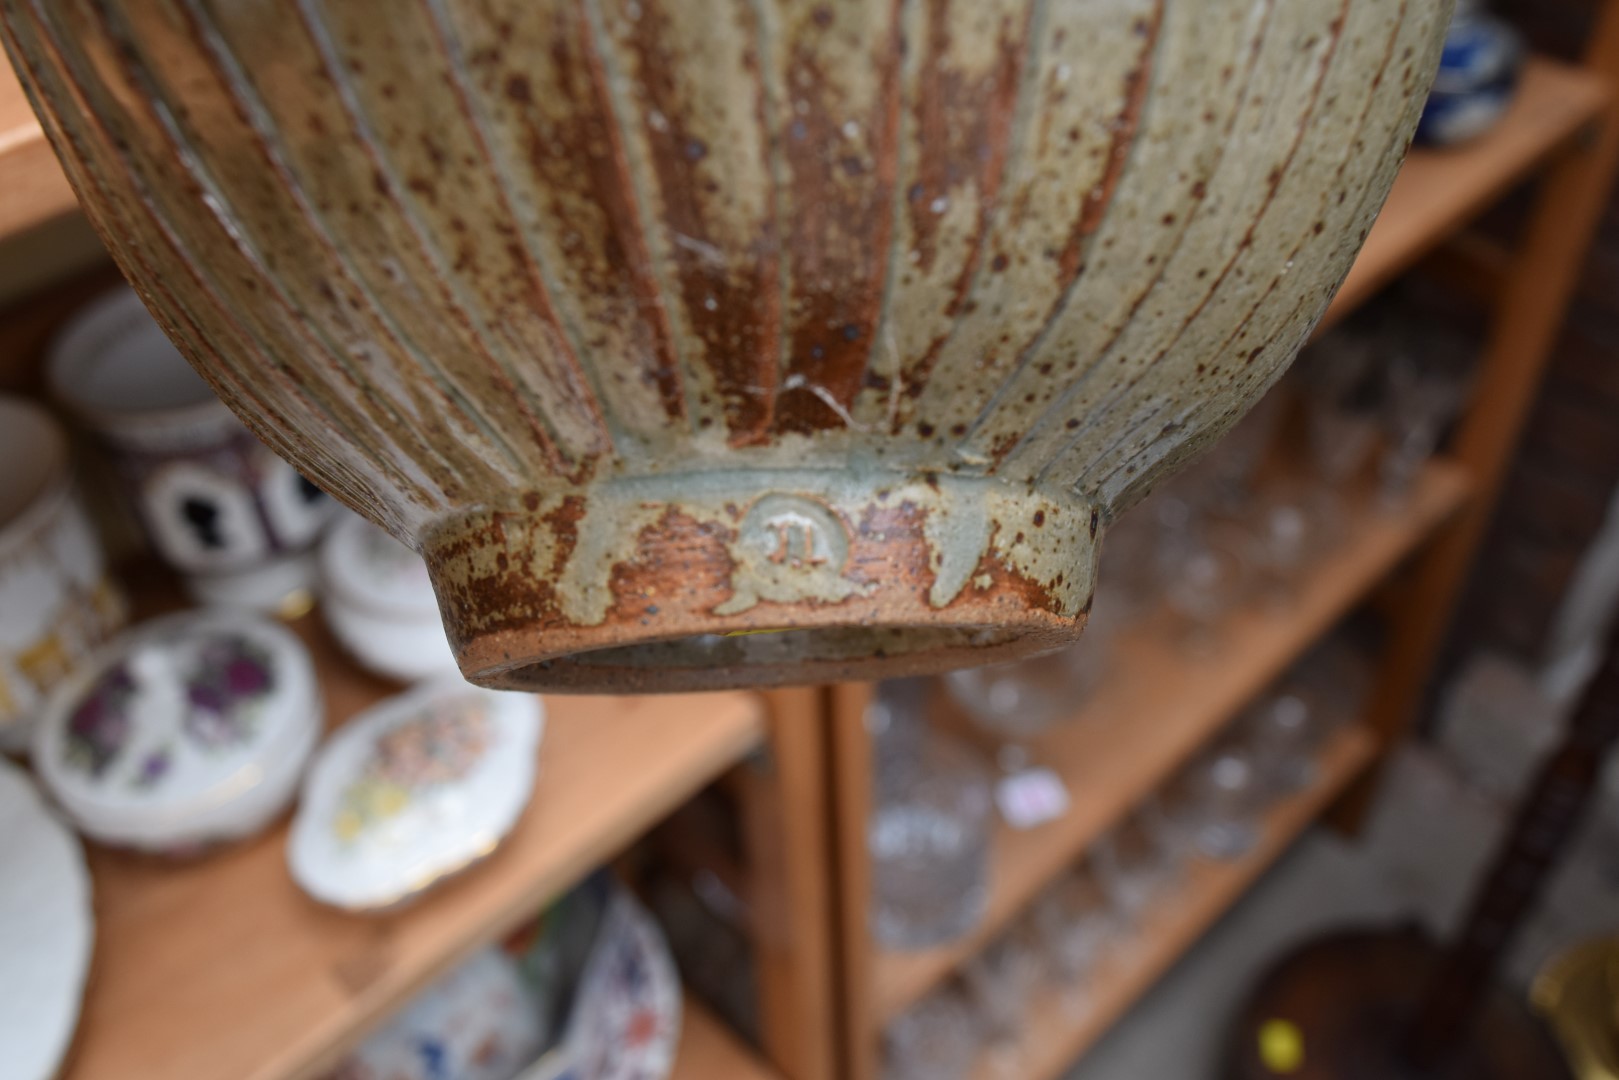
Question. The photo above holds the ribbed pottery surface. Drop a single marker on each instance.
(446, 253)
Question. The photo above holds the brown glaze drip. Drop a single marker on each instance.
(735, 310)
(840, 193)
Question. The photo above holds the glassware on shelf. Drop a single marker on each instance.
(929, 841)
(1284, 538)
(1075, 923)
(1206, 574)
(1128, 579)
(1028, 698)
(1423, 397)
(1341, 379)
(1137, 861)
(1225, 477)
(1216, 801)
(1284, 735)
(1335, 679)
(896, 720)
(935, 1039)
(1000, 979)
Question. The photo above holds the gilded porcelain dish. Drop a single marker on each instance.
(412, 791)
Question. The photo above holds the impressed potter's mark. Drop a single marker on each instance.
(788, 549)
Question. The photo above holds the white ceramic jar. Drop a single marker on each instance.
(186, 732)
(236, 520)
(57, 603)
(377, 598)
(412, 791)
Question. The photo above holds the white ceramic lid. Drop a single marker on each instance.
(46, 931)
(362, 565)
(174, 723)
(413, 790)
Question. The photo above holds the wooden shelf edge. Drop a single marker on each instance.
(306, 983)
(36, 190)
(709, 1050)
(1438, 191)
(1087, 748)
(1055, 1039)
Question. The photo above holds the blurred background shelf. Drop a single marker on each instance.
(1054, 1036)
(1438, 192)
(1185, 701)
(35, 192)
(223, 968)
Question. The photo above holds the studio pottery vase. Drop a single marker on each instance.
(702, 343)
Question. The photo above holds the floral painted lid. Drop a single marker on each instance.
(413, 790)
(175, 720)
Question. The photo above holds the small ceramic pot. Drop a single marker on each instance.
(378, 600)
(413, 791)
(234, 518)
(186, 732)
(57, 604)
(479, 1022)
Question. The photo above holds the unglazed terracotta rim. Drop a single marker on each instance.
(761, 577)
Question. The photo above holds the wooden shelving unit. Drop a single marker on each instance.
(1440, 191)
(1561, 134)
(1158, 707)
(223, 968)
(1053, 1037)
(33, 191)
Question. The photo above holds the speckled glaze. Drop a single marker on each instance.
(657, 325)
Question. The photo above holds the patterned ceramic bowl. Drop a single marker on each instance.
(479, 1022)
(703, 343)
(185, 732)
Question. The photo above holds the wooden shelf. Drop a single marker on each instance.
(33, 189)
(1054, 1038)
(220, 969)
(1439, 191)
(708, 1051)
(1157, 708)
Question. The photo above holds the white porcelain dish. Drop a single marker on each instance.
(625, 1023)
(185, 732)
(412, 791)
(47, 930)
(479, 1022)
(377, 598)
